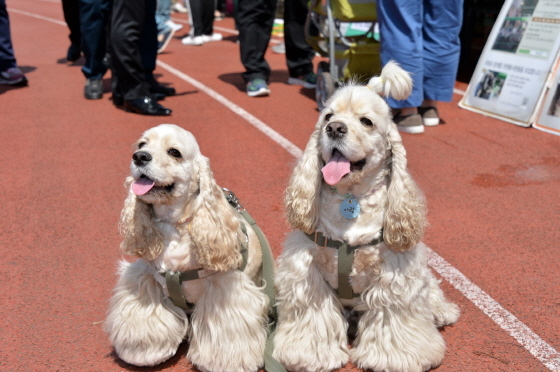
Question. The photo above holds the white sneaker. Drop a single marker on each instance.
(179, 8)
(214, 37)
(174, 26)
(192, 40)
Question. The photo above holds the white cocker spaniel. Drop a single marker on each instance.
(177, 219)
(351, 194)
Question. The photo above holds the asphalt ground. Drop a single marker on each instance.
(492, 191)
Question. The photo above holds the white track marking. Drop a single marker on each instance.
(539, 348)
(11, 10)
(268, 131)
(509, 323)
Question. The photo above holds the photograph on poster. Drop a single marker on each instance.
(514, 27)
(554, 108)
(490, 85)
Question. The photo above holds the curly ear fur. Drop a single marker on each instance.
(141, 236)
(215, 228)
(393, 82)
(405, 215)
(302, 194)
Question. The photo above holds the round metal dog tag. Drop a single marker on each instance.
(349, 208)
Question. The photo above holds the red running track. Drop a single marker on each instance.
(492, 191)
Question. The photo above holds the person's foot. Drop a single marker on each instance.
(192, 40)
(164, 38)
(179, 8)
(93, 89)
(74, 53)
(214, 37)
(157, 88)
(411, 124)
(257, 88)
(146, 106)
(13, 76)
(174, 26)
(308, 81)
(430, 116)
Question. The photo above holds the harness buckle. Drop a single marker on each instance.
(232, 199)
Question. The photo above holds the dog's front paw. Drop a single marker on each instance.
(445, 313)
(393, 359)
(305, 352)
(401, 354)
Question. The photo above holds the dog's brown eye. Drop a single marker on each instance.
(366, 122)
(141, 144)
(328, 117)
(174, 152)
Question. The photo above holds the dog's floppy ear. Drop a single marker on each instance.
(393, 82)
(215, 227)
(302, 193)
(141, 236)
(405, 216)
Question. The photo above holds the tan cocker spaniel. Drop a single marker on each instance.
(351, 194)
(177, 219)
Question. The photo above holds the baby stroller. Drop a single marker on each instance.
(346, 32)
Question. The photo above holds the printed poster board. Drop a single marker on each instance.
(548, 119)
(512, 74)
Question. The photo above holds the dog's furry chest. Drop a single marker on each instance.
(366, 264)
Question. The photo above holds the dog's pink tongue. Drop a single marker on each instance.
(142, 186)
(336, 168)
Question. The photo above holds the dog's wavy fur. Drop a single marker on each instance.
(181, 227)
(400, 303)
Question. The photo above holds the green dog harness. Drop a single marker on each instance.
(345, 259)
(175, 279)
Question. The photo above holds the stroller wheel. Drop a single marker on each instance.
(325, 84)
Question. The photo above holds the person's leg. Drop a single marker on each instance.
(127, 24)
(163, 14)
(299, 54)
(71, 11)
(207, 17)
(254, 21)
(94, 17)
(7, 58)
(195, 14)
(400, 28)
(441, 48)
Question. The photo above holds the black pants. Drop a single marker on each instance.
(133, 47)
(202, 16)
(255, 19)
(71, 10)
(94, 20)
(299, 54)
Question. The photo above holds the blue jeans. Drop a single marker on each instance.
(163, 14)
(423, 37)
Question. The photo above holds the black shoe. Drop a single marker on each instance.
(158, 88)
(146, 106)
(73, 54)
(93, 89)
(118, 100)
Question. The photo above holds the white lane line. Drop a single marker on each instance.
(539, 348)
(12, 10)
(509, 322)
(271, 133)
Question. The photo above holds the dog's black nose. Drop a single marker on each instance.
(336, 129)
(141, 158)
